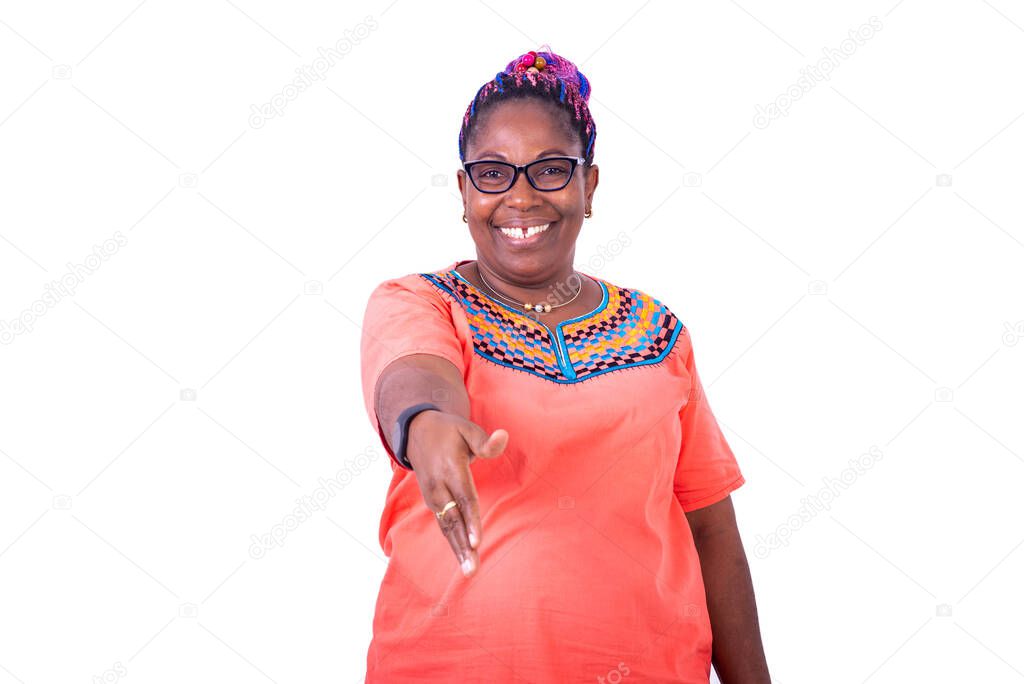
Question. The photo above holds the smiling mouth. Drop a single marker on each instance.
(523, 233)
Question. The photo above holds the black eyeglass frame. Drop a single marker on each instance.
(522, 169)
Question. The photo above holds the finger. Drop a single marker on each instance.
(454, 529)
(464, 493)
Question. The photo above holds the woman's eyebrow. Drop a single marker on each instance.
(496, 155)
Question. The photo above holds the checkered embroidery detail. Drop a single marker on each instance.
(632, 329)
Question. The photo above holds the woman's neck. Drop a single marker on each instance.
(572, 293)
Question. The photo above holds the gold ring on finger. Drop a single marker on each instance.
(447, 507)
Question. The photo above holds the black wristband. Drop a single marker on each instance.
(401, 434)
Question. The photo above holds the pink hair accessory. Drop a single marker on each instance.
(531, 61)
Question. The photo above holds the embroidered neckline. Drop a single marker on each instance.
(628, 329)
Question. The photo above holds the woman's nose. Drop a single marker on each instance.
(522, 193)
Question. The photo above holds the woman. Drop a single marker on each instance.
(553, 427)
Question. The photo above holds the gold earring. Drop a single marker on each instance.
(464, 219)
(588, 213)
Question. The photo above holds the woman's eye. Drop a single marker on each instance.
(553, 171)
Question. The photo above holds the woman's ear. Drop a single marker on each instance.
(590, 184)
(461, 176)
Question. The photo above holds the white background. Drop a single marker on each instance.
(841, 296)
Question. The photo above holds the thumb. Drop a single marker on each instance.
(484, 445)
(495, 444)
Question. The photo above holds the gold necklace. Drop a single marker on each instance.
(539, 308)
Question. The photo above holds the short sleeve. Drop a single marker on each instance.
(404, 316)
(707, 470)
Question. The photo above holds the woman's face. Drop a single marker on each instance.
(519, 132)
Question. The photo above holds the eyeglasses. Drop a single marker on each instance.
(546, 175)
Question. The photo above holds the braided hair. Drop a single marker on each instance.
(558, 83)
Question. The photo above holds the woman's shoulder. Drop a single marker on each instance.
(644, 323)
(433, 284)
(641, 302)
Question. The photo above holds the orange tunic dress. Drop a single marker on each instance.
(588, 571)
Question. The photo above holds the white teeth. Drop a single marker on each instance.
(519, 234)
